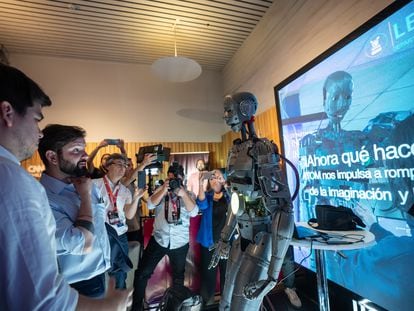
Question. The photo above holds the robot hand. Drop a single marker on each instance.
(222, 250)
(255, 289)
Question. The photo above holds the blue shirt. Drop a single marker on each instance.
(29, 278)
(73, 264)
(205, 232)
(168, 235)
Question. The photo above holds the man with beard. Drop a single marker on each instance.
(83, 249)
(194, 179)
(29, 272)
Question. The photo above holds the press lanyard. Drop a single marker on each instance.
(176, 210)
(112, 196)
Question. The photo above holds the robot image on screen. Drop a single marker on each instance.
(330, 140)
(261, 211)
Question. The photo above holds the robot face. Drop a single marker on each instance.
(239, 108)
(231, 114)
(338, 98)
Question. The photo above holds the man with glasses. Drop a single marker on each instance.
(83, 249)
(120, 204)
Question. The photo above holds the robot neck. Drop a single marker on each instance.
(335, 126)
(248, 131)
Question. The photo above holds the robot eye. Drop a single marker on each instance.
(228, 112)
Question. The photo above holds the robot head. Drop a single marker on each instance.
(337, 95)
(239, 108)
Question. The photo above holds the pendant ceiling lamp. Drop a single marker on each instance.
(176, 68)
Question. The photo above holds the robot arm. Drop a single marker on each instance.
(222, 248)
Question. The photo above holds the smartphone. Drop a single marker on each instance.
(142, 180)
(208, 175)
(112, 141)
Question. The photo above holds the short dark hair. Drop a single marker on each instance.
(19, 90)
(55, 136)
(176, 169)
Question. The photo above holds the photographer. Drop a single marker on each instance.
(173, 208)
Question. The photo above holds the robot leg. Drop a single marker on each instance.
(254, 266)
(233, 266)
(282, 230)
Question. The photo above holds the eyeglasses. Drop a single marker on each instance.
(124, 165)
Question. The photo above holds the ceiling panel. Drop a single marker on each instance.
(135, 31)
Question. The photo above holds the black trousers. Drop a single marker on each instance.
(94, 287)
(153, 253)
(208, 276)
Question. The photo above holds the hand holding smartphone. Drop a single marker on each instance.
(142, 180)
(112, 141)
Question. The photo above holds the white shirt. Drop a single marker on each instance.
(168, 235)
(124, 197)
(29, 278)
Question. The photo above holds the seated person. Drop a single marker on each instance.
(173, 208)
(119, 204)
(83, 249)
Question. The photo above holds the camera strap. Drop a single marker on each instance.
(175, 208)
(112, 196)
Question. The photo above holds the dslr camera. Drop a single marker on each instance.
(177, 170)
(175, 183)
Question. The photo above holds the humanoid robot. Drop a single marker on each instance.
(332, 140)
(261, 210)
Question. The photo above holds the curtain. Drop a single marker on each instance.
(189, 161)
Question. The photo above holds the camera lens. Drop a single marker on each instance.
(174, 183)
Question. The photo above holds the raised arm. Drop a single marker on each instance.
(92, 155)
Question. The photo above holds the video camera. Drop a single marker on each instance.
(163, 154)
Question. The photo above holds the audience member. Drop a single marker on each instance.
(213, 204)
(173, 208)
(82, 243)
(119, 203)
(131, 173)
(95, 172)
(29, 271)
(194, 179)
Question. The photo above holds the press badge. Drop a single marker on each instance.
(113, 218)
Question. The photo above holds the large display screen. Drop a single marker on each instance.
(347, 121)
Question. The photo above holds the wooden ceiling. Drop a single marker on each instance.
(134, 31)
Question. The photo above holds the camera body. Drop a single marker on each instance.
(178, 171)
(175, 183)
